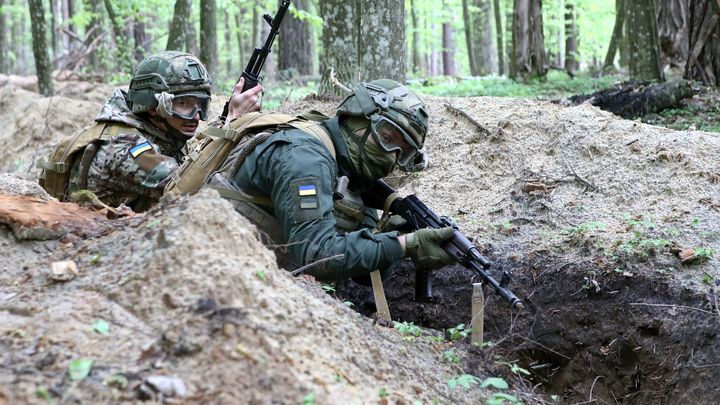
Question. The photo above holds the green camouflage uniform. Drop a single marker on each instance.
(299, 174)
(136, 163)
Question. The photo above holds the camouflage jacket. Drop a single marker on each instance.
(298, 173)
(132, 166)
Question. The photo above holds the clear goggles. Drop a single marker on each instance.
(185, 106)
(391, 138)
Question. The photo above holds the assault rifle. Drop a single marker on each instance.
(419, 216)
(259, 55)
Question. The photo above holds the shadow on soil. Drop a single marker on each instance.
(608, 338)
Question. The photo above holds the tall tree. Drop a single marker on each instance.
(448, 48)
(339, 38)
(571, 40)
(382, 40)
(673, 31)
(617, 35)
(95, 29)
(643, 43)
(228, 43)
(43, 66)
(482, 22)
(177, 37)
(208, 35)
(473, 58)
(123, 46)
(416, 59)
(499, 37)
(239, 33)
(4, 50)
(528, 54)
(141, 38)
(296, 42)
(704, 58)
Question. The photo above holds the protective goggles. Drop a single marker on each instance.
(392, 138)
(185, 106)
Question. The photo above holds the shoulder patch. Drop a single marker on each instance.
(306, 199)
(137, 150)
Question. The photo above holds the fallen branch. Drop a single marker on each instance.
(465, 115)
(309, 265)
(335, 82)
(671, 306)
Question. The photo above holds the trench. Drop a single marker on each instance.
(618, 339)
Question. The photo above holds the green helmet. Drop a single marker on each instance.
(160, 78)
(388, 104)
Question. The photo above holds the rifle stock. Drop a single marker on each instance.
(251, 74)
(419, 216)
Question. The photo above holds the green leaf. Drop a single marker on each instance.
(79, 369)
(495, 382)
(151, 224)
(260, 275)
(101, 327)
(42, 393)
(383, 393)
(309, 399)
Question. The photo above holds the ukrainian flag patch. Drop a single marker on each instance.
(305, 190)
(137, 150)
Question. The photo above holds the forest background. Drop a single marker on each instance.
(522, 48)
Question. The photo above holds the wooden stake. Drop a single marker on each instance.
(478, 311)
(383, 311)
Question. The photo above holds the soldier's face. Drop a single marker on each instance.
(186, 127)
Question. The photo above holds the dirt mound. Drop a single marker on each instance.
(593, 214)
(189, 292)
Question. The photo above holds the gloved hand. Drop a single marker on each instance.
(394, 223)
(423, 247)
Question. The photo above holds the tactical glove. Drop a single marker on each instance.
(394, 223)
(423, 247)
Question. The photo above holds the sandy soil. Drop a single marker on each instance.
(583, 206)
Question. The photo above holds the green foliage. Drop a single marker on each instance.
(383, 393)
(118, 381)
(328, 288)
(708, 279)
(408, 330)
(458, 332)
(43, 394)
(463, 380)
(556, 85)
(260, 274)
(309, 399)
(78, 369)
(704, 253)
(101, 327)
(451, 356)
(495, 382)
(499, 398)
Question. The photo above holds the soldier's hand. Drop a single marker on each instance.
(244, 102)
(423, 247)
(394, 223)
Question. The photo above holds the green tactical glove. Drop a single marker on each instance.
(393, 223)
(423, 247)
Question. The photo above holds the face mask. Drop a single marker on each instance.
(376, 163)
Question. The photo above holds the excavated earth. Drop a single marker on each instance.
(589, 212)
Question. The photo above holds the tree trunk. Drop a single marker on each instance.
(643, 40)
(528, 42)
(177, 37)
(381, 38)
(486, 56)
(416, 59)
(141, 39)
(208, 36)
(673, 32)
(240, 41)
(571, 41)
(68, 14)
(53, 27)
(499, 37)
(341, 20)
(123, 55)
(43, 65)
(448, 48)
(704, 57)
(228, 44)
(636, 98)
(295, 48)
(4, 50)
(468, 23)
(617, 35)
(191, 45)
(95, 25)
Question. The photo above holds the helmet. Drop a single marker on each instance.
(398, 117)
(175, 83)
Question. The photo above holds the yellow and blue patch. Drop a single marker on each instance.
(137, 150)
(305, 190)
